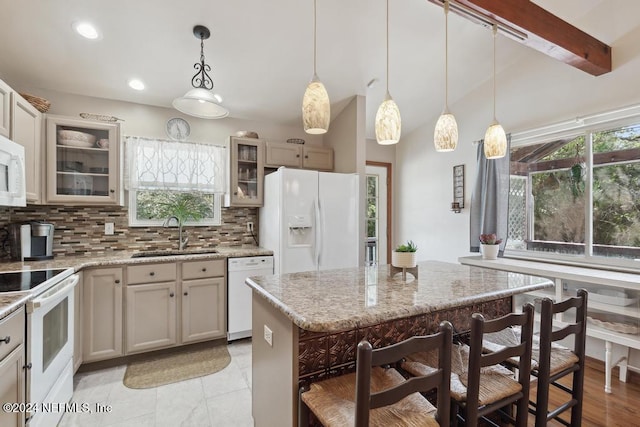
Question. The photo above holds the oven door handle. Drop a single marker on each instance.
(72, 282)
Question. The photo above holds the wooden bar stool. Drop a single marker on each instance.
(381, 396)
(552, 361)
(480, 385)
(556, 362)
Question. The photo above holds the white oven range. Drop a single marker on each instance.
(49, 327)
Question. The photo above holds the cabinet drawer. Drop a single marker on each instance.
(12, 327)
(201, 269)
(149, 273)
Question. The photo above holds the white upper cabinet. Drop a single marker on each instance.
(298, 156)
(26, 130)
(82, 161)
(5, 109)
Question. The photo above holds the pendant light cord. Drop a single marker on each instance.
(446, 56)
(387, 46)
(314, 37)
(495, 32)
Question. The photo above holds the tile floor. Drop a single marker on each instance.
(216, 400)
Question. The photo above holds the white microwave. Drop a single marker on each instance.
(12, 175)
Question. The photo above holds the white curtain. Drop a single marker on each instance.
(154, 164)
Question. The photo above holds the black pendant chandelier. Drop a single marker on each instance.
(200, 101)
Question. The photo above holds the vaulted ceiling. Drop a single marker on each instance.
(261, 52)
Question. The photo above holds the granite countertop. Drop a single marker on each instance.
(337, 300)
(9, 302)
(125, 258)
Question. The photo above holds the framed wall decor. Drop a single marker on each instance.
(458, 185)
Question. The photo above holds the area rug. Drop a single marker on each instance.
(170, 368)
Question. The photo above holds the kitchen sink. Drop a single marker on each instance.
(175, 252)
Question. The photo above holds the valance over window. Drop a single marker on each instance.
(154, 164)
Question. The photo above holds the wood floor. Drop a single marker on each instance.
(619, 408)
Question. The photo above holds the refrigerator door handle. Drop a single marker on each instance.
(318, 242)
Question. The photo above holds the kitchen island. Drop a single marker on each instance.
(306, 326)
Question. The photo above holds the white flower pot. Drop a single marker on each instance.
(489, 251)
(403, 259)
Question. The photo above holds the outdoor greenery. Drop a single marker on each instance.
(186, 206)
(559, 195)
(372, 205)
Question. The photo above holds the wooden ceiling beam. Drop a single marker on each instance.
(544, 32)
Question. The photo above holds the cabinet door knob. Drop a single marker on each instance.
(152, 274)
(297, 155)
(204, 269)
(111, 190)
(171, 294)
(186, 293)
(6, 339)
(235, 193)
(306, 157)
(117, 281)
(27, 366)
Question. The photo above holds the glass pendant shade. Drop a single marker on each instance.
(445, 136)
(495, 141)
(388, 123)
(316, 108)
(200, 102)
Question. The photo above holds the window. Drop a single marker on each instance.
(578, 197)
(167, 178)
(372, 219)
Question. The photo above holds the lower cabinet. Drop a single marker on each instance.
(203, 309)
(102, 314)
(150, 306)
(12, 375)
(169, 304)
(151, 316)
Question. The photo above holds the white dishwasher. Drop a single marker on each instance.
(239, 294)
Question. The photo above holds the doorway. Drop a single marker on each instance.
(378, 213)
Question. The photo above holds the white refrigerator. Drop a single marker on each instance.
(310, 220)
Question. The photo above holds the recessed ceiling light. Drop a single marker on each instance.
(86, 30)
(136, 84)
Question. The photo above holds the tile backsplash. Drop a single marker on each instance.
(79, 230)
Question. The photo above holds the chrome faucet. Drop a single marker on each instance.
(181, 243)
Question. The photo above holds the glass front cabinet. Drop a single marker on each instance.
(82, 161)
(246, 172)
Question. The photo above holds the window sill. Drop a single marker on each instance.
(591, 274)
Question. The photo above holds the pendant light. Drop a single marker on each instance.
(200, 101)
(316, 108)
(495, 140)
(445, 135)
(388, 122)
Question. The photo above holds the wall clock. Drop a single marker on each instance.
(178, 129)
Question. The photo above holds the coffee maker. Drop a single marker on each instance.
(31, 241)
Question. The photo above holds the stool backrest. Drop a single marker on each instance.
(520, 352)
(439, 379)
(548, 335)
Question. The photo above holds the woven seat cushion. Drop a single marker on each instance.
(496, 382)
(561, 357)
(333, 402)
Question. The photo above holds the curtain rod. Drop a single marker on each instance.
(146, 138)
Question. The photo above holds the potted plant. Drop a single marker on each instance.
(490, 246)
(404, 256)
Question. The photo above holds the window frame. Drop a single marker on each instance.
(572, 129)
(216, 220)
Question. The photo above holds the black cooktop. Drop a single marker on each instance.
(25, 280)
